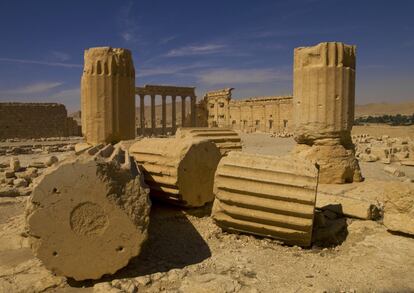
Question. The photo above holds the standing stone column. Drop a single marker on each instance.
(142, 113)
(108, 95)
(324, 101)
(173, 114)
(153, 114)
(164, 114)
(182, 111)
(193, 111)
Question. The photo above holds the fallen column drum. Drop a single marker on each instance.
(266, 195)
(225, 139)
(180, 171)
(89, 215)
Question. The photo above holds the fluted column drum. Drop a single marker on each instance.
(108, 95)
(324, 91)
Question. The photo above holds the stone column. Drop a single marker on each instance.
(182, 111)
(173, 114)
(193, 111)
(324, 100)
(153, 115)
(164, 114)
(142, 113)
(108, 95)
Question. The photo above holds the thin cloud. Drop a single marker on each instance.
(36, 88)
(172, 69)
(196, 50)
(38, 62)
(60, 56)
(242, 76)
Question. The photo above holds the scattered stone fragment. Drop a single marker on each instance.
(14, 164)
(225, 139)
(9, 174)
(368, 158)
(266, 195)
(51, 160)
(399, 207)
(20, 182)
(394, 171)
(38, 165)
(408, 163)
(180, 171)
(347, 206)
(88, 216)
(81, 147)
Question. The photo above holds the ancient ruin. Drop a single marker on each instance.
(265, 114)
(266, 195)
(89, 215)
(35, 120)
(164, 92)
(179, 170)
(108, 95)
(225, 139)
(324, 101)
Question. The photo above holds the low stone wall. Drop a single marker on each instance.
(34, 120)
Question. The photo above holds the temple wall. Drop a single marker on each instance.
(34, 120)
(264, 114)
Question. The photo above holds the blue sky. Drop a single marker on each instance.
(210, 44)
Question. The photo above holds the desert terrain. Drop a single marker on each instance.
(187, 252)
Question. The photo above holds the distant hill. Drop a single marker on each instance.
(379, 109)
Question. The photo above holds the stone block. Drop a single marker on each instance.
(266, 195)
(180, 171)
(225, 139)
(399, 207)
(88, 216)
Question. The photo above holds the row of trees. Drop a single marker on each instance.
(393, 120)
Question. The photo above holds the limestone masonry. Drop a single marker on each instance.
(108, 95)
(89, 215)
(266, 114)
(323, 107)
(35, 120)
(179, 170)
(225, 139)
(266, 195)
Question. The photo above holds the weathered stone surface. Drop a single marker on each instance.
(51, 160)
(347, 206)
(266, 114)
(266, 195)
(88, 216)
(399, 207)
(394, 171)
(108, 95)
(324, 91)
(178, 170)
(324, 102)
(337, 164)
(15, 164)
(225, 139)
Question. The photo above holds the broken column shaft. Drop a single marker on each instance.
(108, 95)
(324, 102)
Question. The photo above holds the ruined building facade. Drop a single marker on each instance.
(34, 120)
(265, 114)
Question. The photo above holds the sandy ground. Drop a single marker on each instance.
(186, 252)
(377, 130)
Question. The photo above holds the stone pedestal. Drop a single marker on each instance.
(324, 102)
(108, 95)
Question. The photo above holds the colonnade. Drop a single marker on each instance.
(165, 91)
